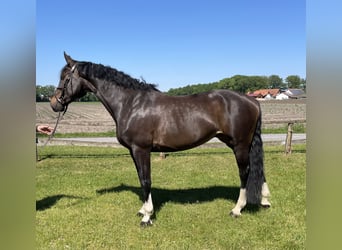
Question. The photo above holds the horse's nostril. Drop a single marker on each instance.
(56, 105)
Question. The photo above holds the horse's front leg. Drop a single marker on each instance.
(142, 163)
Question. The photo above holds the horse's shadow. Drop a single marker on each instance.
(161, 196)
(50, 201)
(183, 196)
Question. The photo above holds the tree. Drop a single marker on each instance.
(257, 82)
(43, 93)
(242, 84)
(303, 84)
(293, 81)
(275, 82)
(89, 97)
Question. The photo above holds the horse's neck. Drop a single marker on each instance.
(112, 97)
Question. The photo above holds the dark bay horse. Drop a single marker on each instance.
(149, 121)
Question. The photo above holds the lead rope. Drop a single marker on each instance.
(59, 118)
(59, 114)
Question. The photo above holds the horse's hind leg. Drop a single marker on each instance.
(242, 159)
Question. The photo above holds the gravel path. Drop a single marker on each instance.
(113, 142)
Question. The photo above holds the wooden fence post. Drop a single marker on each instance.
(37, 155)
(162, 155)
(288, 138)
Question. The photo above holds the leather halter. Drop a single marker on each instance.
(66, 82)
(61, 101)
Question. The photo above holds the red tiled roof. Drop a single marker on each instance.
(264, 92)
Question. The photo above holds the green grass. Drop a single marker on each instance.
(296, 128)
(88, 197)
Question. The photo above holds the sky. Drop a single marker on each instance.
(173, 43)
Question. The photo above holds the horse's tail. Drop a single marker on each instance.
(256, 175)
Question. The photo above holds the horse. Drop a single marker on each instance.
(148, 120)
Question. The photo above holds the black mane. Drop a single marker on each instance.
(119, 78)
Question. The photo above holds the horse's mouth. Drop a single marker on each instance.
(56, 105)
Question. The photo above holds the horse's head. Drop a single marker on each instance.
(71, 86)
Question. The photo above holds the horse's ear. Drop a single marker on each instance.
(71, 62)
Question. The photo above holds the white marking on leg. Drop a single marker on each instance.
(149, 204)
(241, 203)
(265, 193)
(147, 207)
(141, 211)
(147, 210)
(146, 219)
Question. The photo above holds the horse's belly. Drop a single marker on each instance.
(180, 141)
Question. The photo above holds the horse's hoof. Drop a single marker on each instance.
(266, 205)
(146, 223)
(234, 215)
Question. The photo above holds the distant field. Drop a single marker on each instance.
(94, 118)
(81, 117)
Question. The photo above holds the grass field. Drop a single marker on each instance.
(88, 197)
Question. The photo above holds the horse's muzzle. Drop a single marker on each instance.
(56, 105)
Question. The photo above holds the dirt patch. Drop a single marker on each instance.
(93, 117)
(283, 109)
(80, 117)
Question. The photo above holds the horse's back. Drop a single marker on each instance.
(215, 105)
